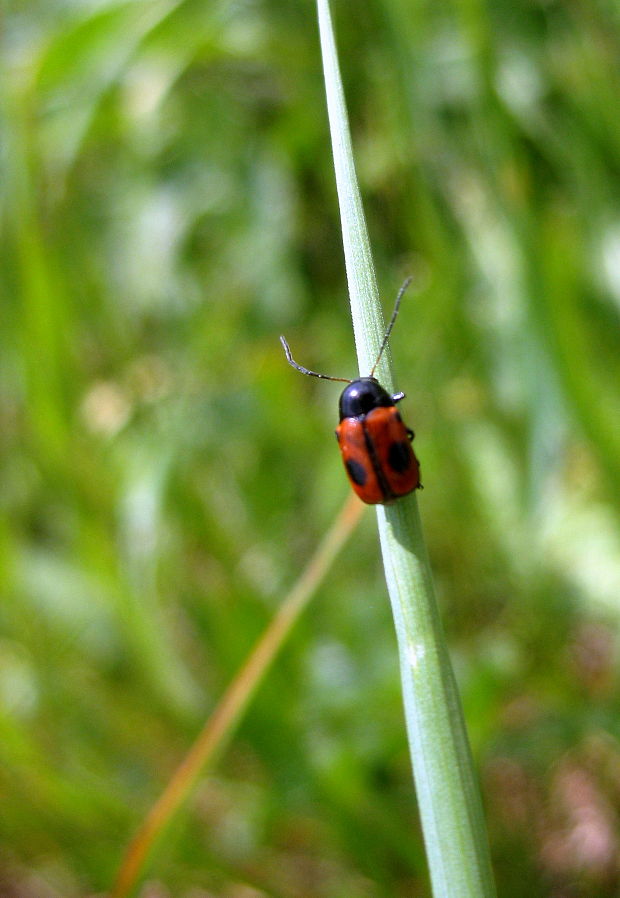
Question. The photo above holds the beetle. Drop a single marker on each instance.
(374, 442)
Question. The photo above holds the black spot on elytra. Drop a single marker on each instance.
(399, 457)
(356, 472)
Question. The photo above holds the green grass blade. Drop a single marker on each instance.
(448, 797)
(364, 295)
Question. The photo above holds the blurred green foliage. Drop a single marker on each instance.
(168, 210)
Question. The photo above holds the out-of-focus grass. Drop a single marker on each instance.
(168, 210)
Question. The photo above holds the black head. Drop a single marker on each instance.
(361, 396)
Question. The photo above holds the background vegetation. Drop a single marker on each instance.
(168, 210)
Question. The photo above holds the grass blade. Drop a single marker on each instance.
(448, 797)
(226, 716)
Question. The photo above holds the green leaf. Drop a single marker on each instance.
(448, 797)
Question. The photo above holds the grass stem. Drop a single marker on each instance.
(448, 796)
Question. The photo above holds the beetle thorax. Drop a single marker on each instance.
(361, 396)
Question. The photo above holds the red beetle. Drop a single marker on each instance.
(374, 442)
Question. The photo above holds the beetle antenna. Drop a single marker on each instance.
(293, 363)
(391, 324)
